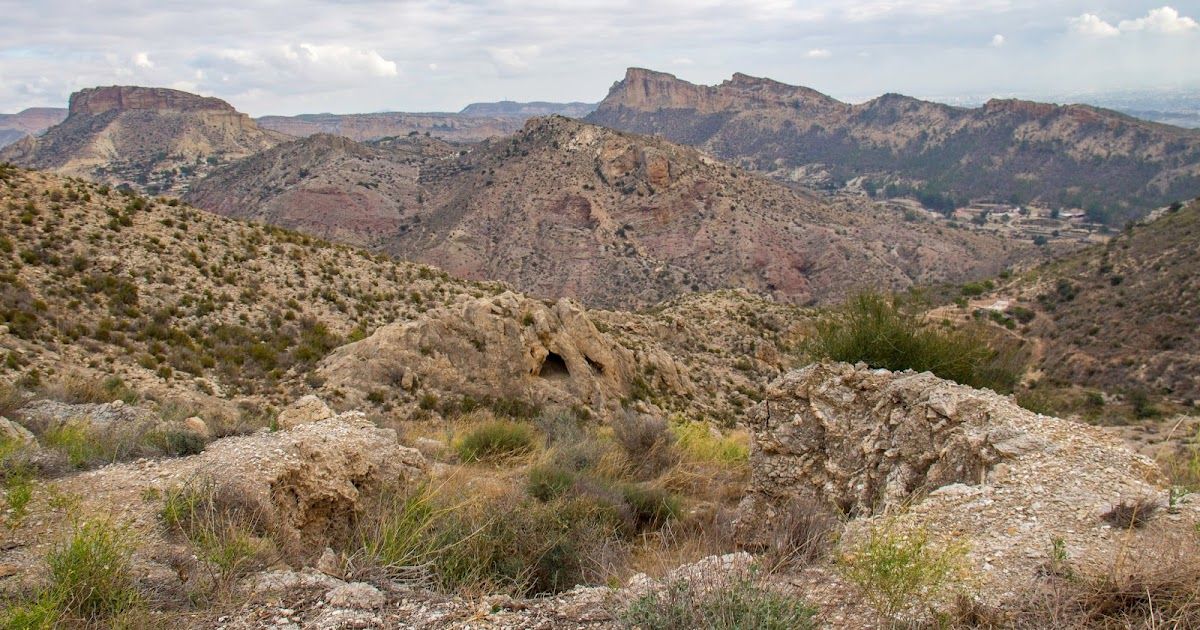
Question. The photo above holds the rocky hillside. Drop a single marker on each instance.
(28, 122)
(154, 139)
(1074, 156)
(323, 185)
(1123, 316)
(565, 208)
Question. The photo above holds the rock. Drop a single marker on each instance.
(45, 414)
(306, 410)
(271, 582)
(358, 595)
(12, 432)
(306, 483)
(330, 564)
(502, 347)
(196, 425)
(969, 467)
(430, 448)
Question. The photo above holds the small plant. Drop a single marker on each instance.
(698, 442)
(1132, 514)
(899, 573)
(18, 492)
(647, 441)
(77, 442)
(496, 440)
(548, 482)
(91, 576)
(718, 602)
(801, 534)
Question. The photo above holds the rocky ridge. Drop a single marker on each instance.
(1072, 155)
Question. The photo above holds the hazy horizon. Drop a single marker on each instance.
(440, 55)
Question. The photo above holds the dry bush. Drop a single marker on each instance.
(1154, 586)
(647, 441)
(11, 399)
(1132, 513)
(800, 535)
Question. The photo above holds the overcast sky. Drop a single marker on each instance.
(297, 56)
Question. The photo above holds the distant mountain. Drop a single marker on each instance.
(28, 122)
(363, 127)
(155, 139)
(1112, 164)
(528, 110)
(564, 208)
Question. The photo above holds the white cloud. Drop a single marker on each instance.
(819, 53)
(142, 60)
(514, 60)
(1161, 20)
(322, 59)
(1092, 25)
(997, 41)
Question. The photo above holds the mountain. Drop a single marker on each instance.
(1123, 316)
(156, 139)
(528, 110)
(363, 127)
(1080, 156)
(28, 122)
(564, 208)
(324, 185)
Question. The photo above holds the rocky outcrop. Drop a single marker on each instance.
(96, 101)
(306, 483)
(907, 451)
(306, 410)
(502, 347)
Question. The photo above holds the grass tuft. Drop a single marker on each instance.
(718, 602)
(496, 440)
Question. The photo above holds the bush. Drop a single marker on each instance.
(91, 580)
(79, 443)
(718, 602)
(899, 573)
(646, 440)
(548, 482)
(697, 442)
(228, 531)
(482, 544)
(495, 440)
(880, 332)
(800, 535)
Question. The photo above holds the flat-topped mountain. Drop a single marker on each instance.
(28, 122)
(1111, 164)
(156, 139)
(528, 110)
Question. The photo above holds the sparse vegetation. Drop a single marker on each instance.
(883, 332)
(901, 573)
(719, 602)
(496, 440)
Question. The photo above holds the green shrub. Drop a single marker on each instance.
(697, 441)
(718, 602)
(548, 482)
(496, 440)
(900, 572)
(78, 442)
(225, 527)
(651, 506)
(18, 491)
(91, 575)
(882, 333)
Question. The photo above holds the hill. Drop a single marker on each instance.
(323, 185)
(564, 208)
(528, 110)
(28, 122)
(1111, 164)
(1123, 316)
(364, 127)
(155, 139)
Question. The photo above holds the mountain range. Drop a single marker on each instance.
(1075, 156)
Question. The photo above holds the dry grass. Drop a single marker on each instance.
(1154, 586)
(1132, 513)
(646, 440)
(803, 534)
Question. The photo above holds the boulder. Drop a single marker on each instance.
(306, 410)
(358, 595)
(307, 483)
(12, 432)
(907, 450)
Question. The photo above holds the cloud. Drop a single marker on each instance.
(142, 60)
(818, 53)
(1091, 25)
(514, 60)
(682, 61)
(997, 41)
(1162, 20)
(323, 59)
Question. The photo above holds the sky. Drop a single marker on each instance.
(309, 56)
